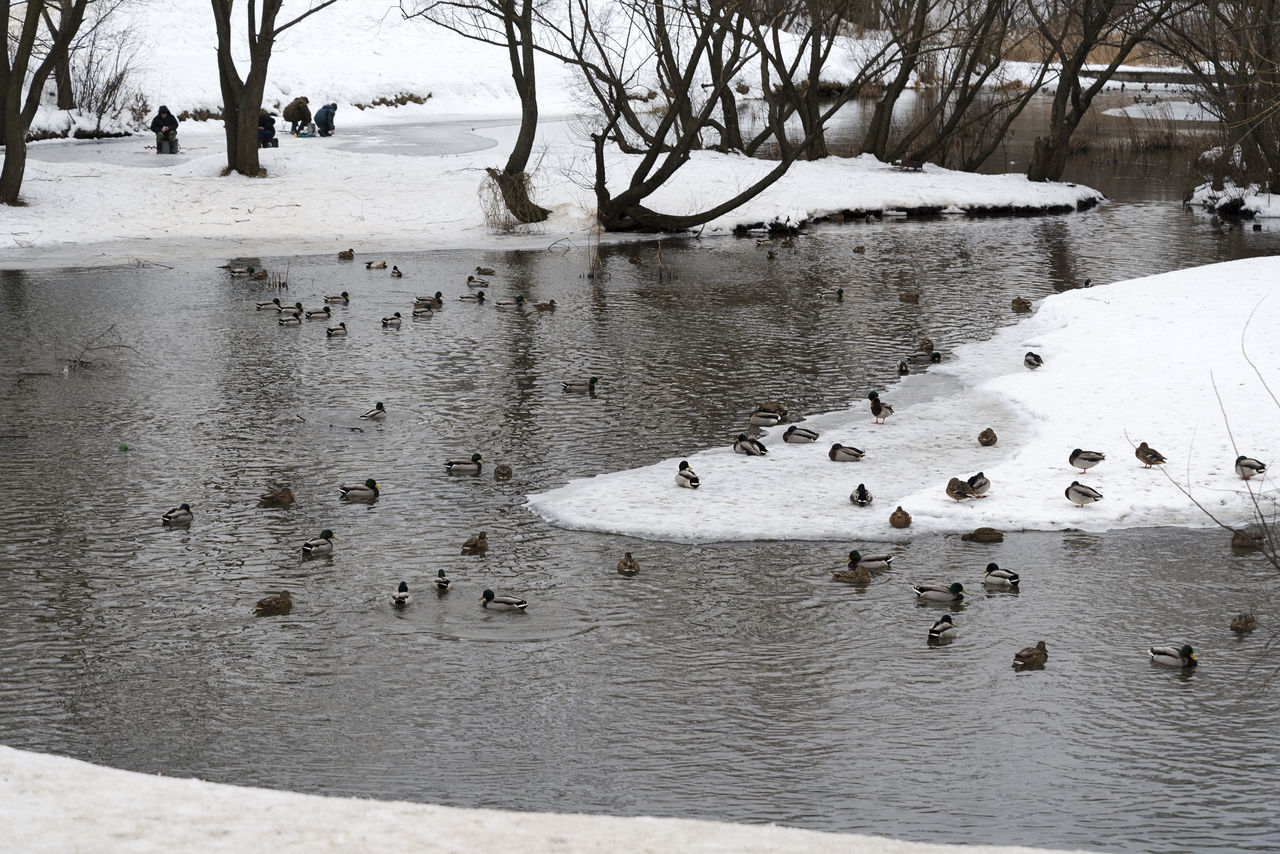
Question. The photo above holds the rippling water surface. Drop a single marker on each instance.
(726, 680)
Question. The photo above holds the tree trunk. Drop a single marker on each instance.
(15, 159)
(512, 181)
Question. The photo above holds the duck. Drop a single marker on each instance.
(275, 303)
(1080, 495)
(241, 272)
(628, 565)
(925, 345)
(772, 406)
(855, 574)
(1243, 623)
(872, 563)
(260, 275)
(980, 485)
(751, 447)
(938, 593)
(1085, 460)
(378, 413)
(477, 545)
(516, 302)
(1148, 456)
(289, 320)
(401, 597)
(395, 272)
(983, 535)
(1172, 656)
(178, 516)
(879, 409)
(486, 271)
(347, 255)
(478, 297)
(367, 491)
(931, 357)
(844, 453)
(764, 418)
(442, 582)
(274, 606)
(502, 603)
(987, 438)
(341, 299)
(318, 313)
(959, 489)
(837, 294)
(900, 518)
(549, 305)
(685, 476)
(423, 312)
(580, 386)
(994, 576)
(392, 321)
(1248, 538)
(1248, 467)
(860, 496)
(1032, 656)
(1020, 304)
(294, 309)
(436, 301)
(799, 435)
(321, 545)
(282, 497)
(502, 471)
(474, 465)
(903, 368)
(1031, 361)
(475, 282)
(909, 297)
(375, 265)
(943, 630)
(336, 331)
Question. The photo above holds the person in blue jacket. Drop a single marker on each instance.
(324, 119)
(266, 130)
(165, 127)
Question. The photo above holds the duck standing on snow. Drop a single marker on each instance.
(1172, 656)
(628, 565)
(321, 545)
(378, 413)
(178, 517)
(900, 518)
(751, 447)
(1031, 361)
(443, 583)
(763, 418)
(1080, 495)
(959, 489)
(474, 465)
(844, 453)
(799, 435)
(367, 491)
(860, 496)
(943, 630)
(685, 476)
(879, 409)
(1148, 456)
(987, 438)
(401, 597)
(1248, 467)
(1032, 656)
(994, 576)
(502, 603)
(1085, 460)
(980, 485)
(938, 593)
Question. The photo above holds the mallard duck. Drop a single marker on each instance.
(860, 496)
(987, 438)
(443, 583)
(799, 435)
(274, 606)
(837, 294)
(516, 302)
(943, 630)
(241, 272)
(844, 453)
(772, 406)
(909, 297)
(341, 299)
(478, 297)
(931, 357)
(685, 476)
(395, 272)
(289, 320)
(282, 497)
(938, 593)
(879, 409)
(900, 518)
(751, 447)
(435, 302)
(392, 321)
(1020, 304)
(1148, 456)
(855, 574)
(959, 489)
(423, 312)
(580, 386)
(1080, 495)
(318, 313)
(994, 576)
(871, 563)
(764, 418)
(367, 491)
(502, 471)
(1172, 656)
(1031, 361)
(347, 255)
(474, 282)
(1085, 460)
(401, 597)
(925, 345)
(502, 603)
(375, 265)
(1248, 467)
(980, 485)
(983, 535)
(178, 516)
(549, 305)
(477, 545)
(378, 413)
(1032, 656)
(772, 255)
(1248, 538)
(903, 368)
(275, 303)
(628, 565)
(486, 271)
(321, 545)
(474, 465)
(336, 331)
(1243, 623)
(295, 309)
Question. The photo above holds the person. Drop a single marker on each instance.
(324, 119)
(266, 130)
(298, 114)
(165, 127)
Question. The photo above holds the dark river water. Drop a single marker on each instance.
(725, 681)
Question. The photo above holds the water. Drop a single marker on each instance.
(726, 680)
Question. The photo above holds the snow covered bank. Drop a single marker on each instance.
(53, 804)
(1125, 363)
(1247, 201)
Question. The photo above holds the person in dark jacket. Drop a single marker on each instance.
(324, 119)
(297, 114)
(266, 130)
(165, 127)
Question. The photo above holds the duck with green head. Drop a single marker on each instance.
(178, 517)
(1172, 656)
(321, 545)
(474, 465)
(494, 602)
(367, 491)
(938, 593)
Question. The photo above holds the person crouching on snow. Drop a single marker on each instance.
(165, 127)
(266, 130)
(324, 119)
(297, 114)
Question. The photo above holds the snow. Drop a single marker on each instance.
(1249, 201)
(54, 804)
(1176, 111)
(1125, 363)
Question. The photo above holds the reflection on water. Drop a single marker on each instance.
(730, 681)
